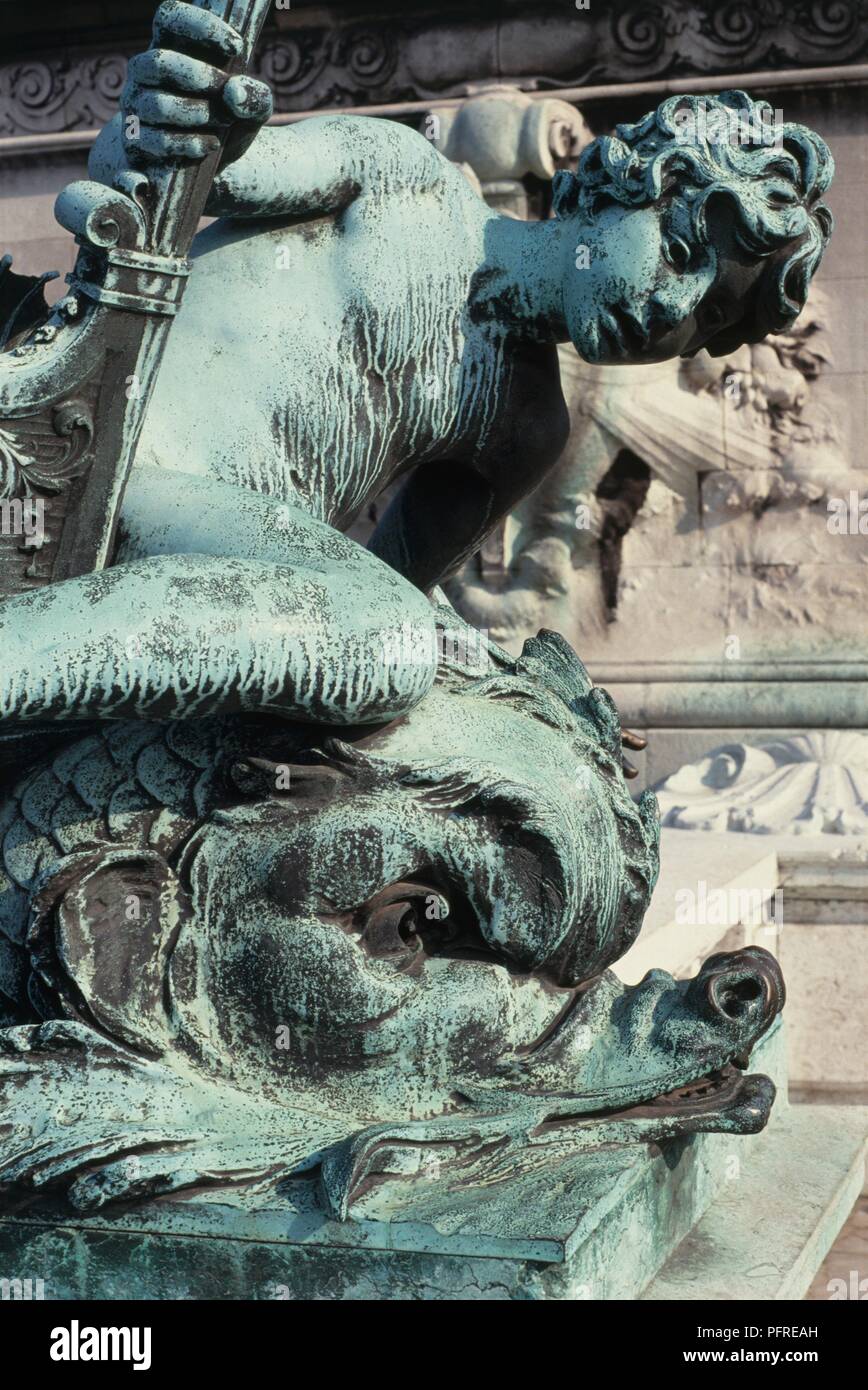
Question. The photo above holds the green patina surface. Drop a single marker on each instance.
(609, 1229)
(290, 892)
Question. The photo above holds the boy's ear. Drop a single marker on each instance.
(101, 937)
(565, 193)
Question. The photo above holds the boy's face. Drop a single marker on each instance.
(639, 287)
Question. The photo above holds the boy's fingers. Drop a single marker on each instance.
(248, 100)
(160, 67)
(159, 144)
(166, 109)
(182, 23)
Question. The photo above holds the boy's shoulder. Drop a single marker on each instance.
(387, 152)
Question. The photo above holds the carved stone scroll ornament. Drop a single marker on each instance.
(501, 135)
(74, 390)
(808, 784)
(38, 96)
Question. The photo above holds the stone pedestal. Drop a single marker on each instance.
(765, 1237)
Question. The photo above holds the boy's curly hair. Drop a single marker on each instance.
(726, 146)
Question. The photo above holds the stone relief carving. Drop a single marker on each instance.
(702, 36)
(732, 436)
(807, 784)
(39, 97)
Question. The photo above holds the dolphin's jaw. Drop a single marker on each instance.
(724, 1100)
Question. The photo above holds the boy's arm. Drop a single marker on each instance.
(321, 165)
(284, 172)
(174, 103)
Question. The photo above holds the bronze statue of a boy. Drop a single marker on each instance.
(358, 313)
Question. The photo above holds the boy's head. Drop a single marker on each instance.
(699, 226)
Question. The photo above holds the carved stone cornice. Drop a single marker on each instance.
(413, 53)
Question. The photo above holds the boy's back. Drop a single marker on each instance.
(318, 354)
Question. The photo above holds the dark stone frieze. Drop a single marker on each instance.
(416, 56)
(418, 53)
(42, 97)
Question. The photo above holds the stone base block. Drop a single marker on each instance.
(765, 1237)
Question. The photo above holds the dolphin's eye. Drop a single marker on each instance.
(412, 919)
(390, 930)
(405, 920)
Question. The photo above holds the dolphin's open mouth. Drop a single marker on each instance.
(716, 1092)
(716, 1087)
(723, 1099)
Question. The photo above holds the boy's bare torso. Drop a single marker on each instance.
(319, 355)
